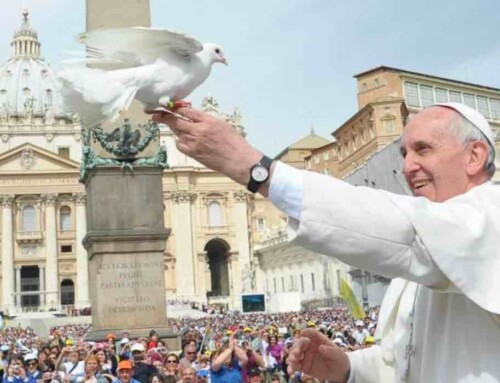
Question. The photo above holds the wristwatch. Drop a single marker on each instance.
(259, 173)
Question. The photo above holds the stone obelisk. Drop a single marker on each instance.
(126, 233)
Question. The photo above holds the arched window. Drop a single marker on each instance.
(214, 214)
(65, 218)
(29, 218)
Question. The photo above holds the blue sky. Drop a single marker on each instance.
(291, 62)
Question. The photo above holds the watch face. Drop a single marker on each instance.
(259, 173)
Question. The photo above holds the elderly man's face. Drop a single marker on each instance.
(189, 375)
(435, 161)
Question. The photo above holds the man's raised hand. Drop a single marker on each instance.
(316, 355)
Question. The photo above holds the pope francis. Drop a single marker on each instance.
(439, 320)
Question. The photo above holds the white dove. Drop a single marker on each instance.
(158, 67)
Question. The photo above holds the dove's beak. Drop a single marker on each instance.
(224, 61)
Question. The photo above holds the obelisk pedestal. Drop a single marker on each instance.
(125, 240)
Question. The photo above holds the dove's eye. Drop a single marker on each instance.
(217, 50)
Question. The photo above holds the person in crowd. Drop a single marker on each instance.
(156, 378)
(189, 375)
(172, 366)
(275, 349)
(189, 358)
(124, 372)
(16, 372)
(153, 340)
(106, 363)
(142, 369)
(360, 333)
(227, 362)
(254, 360)
(31, 366)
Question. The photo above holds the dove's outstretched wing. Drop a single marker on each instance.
(129, 47)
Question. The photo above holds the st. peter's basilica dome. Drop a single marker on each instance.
(28, 86)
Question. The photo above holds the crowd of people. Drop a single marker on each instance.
(230, 348)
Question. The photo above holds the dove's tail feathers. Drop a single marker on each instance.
(95, 95)
(120, 105)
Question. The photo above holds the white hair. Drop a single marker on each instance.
(467, 132)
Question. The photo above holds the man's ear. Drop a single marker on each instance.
(478, 156)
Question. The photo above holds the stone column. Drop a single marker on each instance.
(242, 238)
(125, 240)
(82, 264)
(7, 253)
(184, 250)
(52, 282)
(18, 287)
(41, 276)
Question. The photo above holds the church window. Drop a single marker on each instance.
(214, 214)
(28, 218)
(376, 82)
(261, 224)
(27, 92)
(63, 152)
(313, 282)
(274, 283)
(302, 282)
(411, 91)
(389, 125)
(48, 93)
(326, 155)
(65, 218)
(364, 87)
(291, 283)
(283, 284)
(66, 249)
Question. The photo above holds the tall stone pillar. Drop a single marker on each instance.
(185, 249)
(117, 14)
(52, 270)
(82, 265)
(7, 253)
(41, 271)
(18, 287)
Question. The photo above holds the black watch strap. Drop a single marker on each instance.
(253, 185)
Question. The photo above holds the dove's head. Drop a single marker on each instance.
(214, 53)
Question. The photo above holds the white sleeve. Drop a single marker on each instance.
(368, 366)
(286, 189)
(360, 226)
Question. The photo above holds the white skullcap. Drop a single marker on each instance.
(474, 117)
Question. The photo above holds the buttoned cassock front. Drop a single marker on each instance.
(439, 319)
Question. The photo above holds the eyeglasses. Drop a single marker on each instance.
(31, 363)
(171, 361)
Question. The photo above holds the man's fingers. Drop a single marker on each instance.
(194, 115)
(330, 352)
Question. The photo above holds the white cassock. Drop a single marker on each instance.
(439, 320)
